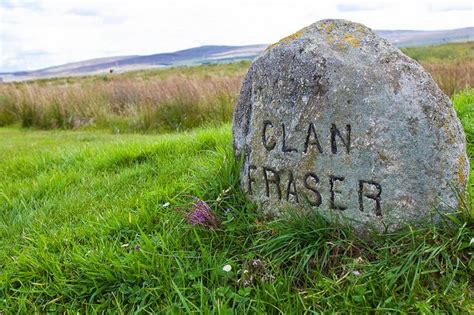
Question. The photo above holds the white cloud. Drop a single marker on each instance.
(83, 12)
(452, 6)
(50, 32)
(360, 6)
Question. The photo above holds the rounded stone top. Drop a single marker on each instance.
(336, 120)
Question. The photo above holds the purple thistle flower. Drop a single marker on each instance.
(201, 214)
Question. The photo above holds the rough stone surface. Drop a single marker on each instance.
(334, 119)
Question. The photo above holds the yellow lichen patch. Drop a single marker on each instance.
(329, 39)
(461, 177)
(350, 39)
(361, 29)
(291, 37)
(288, 38)
(448, 129)
(329, 27)
(342, 42)
(341, 45)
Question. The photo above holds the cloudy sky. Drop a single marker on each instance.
(41, 33)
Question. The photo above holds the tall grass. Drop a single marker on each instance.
(451, 76)
(456, 52)
(175, 98)
(451, 65)
(176, 103)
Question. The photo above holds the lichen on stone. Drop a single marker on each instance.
(461, 162)
(288, 38)
(329, 27)
(345, 41)
(353, 41)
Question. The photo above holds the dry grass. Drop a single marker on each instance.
(175, 98)
(451, 76)
(133, 104)
(451, 65)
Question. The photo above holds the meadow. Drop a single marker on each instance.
(95, 222)
(95, 218)
(451, 65)
(174, 99)
(158, 101)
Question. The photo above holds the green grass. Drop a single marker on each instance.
(85, 227)
(224, 69)
(454, 52)
(464, 104)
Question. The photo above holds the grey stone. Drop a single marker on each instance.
(333, 119)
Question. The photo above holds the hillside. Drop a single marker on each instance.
(217, 54)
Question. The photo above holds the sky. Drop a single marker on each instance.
(42, 33)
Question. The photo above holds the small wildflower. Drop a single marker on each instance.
(257, 263)
(356, 273)
(166, 204)
(227, 268)
(201, 214)
(223, 193)
(359, 260)
(255, 271)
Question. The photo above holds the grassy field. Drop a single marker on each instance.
(176, 98)
(454, 52)
(92, 221)
(166, 100)
(451, 65)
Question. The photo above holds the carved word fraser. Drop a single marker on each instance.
(308, 184)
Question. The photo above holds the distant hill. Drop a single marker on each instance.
(215, 54)
(422, 38)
